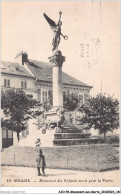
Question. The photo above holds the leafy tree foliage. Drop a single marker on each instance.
(18, 108)
(101, 112)
(70, 101)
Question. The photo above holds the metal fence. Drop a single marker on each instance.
(79, 158)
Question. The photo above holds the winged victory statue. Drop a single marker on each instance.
(56, 28)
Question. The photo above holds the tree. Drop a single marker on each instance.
(18, 108)
(70, 101)
(101, 112)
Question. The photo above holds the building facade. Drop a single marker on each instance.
(35, 78)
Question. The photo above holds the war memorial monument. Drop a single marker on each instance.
(66, 133)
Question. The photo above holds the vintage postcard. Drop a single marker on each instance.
(60, 94)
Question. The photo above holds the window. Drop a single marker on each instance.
(6, 82)
(43, 96)
(39, 95)
(85, 98)
(4, 134)
(50, 95)
(81, 99)
(23, 84)
(10, 134)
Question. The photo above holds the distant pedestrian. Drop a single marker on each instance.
(40, 159)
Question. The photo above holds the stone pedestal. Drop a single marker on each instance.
(57, 87)
(57, 61)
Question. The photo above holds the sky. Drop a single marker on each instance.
(92, 48)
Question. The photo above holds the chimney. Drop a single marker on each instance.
(21, 58)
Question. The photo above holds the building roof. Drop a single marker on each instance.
(14, 69)
(40, 70)
(43, 72)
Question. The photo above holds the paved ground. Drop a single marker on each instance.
(24, 177)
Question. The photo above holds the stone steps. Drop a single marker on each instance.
(68, 142)
(70, 135)
(68, 130)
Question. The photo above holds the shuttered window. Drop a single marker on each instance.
(6, 82)
(23, 84)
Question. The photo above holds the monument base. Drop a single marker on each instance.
(67, 134)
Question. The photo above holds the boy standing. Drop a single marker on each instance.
(40, 159)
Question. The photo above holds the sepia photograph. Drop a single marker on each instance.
(60, 93)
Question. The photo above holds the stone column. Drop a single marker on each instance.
(57, 61)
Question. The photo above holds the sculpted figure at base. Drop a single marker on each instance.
(56, 28)
(51, 124)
